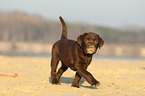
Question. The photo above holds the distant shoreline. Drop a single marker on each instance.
(94, 57)
(113, 50)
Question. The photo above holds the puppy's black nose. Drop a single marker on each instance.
(91, 44)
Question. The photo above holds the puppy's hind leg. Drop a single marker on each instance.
(54, 64)
(61, 70)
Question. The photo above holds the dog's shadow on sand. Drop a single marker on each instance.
(69, 80)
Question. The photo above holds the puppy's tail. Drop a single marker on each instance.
(64, 29)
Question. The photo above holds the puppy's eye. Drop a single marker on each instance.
(96, 40)
(86, 39)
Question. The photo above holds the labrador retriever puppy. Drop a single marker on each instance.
(76, 55)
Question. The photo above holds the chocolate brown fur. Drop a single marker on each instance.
(76, 55)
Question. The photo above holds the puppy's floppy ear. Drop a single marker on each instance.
(101, 41)
(80, 38)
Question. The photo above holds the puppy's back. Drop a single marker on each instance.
(64, 47)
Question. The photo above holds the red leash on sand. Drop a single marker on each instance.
(5, 75)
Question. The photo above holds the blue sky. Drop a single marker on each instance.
(111, 13)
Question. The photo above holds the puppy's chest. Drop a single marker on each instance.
(72, 62)
(85, 59)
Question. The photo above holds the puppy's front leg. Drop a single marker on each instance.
(88, 76)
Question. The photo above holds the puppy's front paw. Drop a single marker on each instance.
(96, 84)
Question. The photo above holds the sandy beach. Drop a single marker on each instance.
(118, 78)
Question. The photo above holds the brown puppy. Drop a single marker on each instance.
(76, 55)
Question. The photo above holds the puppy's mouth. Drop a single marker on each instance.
(91, 49)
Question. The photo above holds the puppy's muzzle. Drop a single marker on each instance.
(91, 49)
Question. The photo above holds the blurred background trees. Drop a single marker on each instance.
(18, 26)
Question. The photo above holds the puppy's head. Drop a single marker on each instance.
(90, 42)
